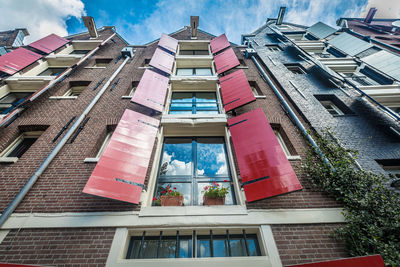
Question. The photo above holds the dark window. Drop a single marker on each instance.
(273, 47)
(52, 72)
(335, 52)
(21, 144)
(193, 103)
(192, 246)
(11, 100)
(76, 88)
(194, 72)
(190, 164)
(242, 63)
(295, 68)
(80, 52)
(102, 62)
(194, 52)
(146, 62)
(391, 166)
(255, 89)
(333, 105)
(375, 76)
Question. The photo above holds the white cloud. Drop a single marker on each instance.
(40, 17)
(387, 9)
(176, 167)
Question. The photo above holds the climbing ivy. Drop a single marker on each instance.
(371, 209)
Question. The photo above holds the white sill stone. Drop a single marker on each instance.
(63, 97)
(8, 159)
(260, 96)
(157, 211)
(94, 67)
(294, 158)
(91, 160)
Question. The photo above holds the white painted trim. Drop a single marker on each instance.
(260, 96)
(132, 219)
(8, 159)
(193, 211)
(270, 245)
(294, 158)
(91, 160)
(94, 67)
(3, 234)
(63, 97)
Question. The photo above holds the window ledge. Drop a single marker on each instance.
(193, 78)
(242, 67)
(94, 67)
(91, 160)
(293, 158)
(193, 210)
(126, 97)
(260, 96)
(198, 57)
(63, 97)
(194, 120)
(145, 67)
(8, 159)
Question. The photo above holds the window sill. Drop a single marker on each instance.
(260, 96)
(63, 97)
(91, 160)
(197, 57)
(194, 120)
(193, 210)
(126, 97)
(294, 158)
(94, 67)
(193, 78)
(242, 67)
(8, 159)
(145, 67)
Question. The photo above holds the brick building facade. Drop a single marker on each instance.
(56, 223)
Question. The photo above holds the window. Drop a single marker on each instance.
(21, 144)
(242, 63)
(282, 142)
(76, 88)
(190, 164)
(333, 105)
(132, 90)
(11, 100)
(52, 72)
(146, 62)
(195, 244)
(194, 72)
(295, 68)
(255, 89)
(194, 52)
(392, 168)
(193, 103)
(273, 47)
(104, 144)
(102, 62)
(79, 52)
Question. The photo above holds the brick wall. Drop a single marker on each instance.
(57, 247)
(307, 243)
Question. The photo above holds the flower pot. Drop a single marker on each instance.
(172, 200)
(210, 201)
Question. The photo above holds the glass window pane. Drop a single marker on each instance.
(252, 243)
(203, 72)
(22, 147)
(238, 247)
(185, 247)
(201, 52)
(133, 249)
(186, 52)
(181, 106)
(229, 199)
(167, 248)
(180, 112)
(184, 72)
(206, 97)
(184, 188)
(182, 97)
(176, 157)
(220, 247)
(203, 248)
(212, 106)
(149, 249)
(211, 157)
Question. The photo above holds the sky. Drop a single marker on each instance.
(142, 21)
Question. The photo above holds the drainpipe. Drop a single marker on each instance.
(20, 196)
(291, 113)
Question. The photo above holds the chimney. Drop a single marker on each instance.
(194, 23)
(370, 15)
(281, 14)
(91, 26)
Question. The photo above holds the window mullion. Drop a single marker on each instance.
(159, 244)
(229, 243)
(245, 242)
(141, 245)
(193, 180)
(177, 245)
(211, 244)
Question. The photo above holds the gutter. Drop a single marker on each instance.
(22, 193)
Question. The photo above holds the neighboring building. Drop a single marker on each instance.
(381, 32)
(100, 136)
(11, 39)
(339, 82)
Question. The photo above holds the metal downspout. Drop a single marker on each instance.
(21, 194)
(291, 113)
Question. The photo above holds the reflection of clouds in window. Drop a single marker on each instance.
(177, 159)
(211, 159)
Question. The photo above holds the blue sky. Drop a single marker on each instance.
(141, 21)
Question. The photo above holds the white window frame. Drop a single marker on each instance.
(334, 108)
(269, 252)
(284, 147)
(4, 154)
(103, 146)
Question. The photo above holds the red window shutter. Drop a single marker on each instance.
(122, 168)
(235, 90)
(17, 59)
(49, 43)
(162, 61)
(263, 165)
(169, 43)
(366, 261)
(225, 60)
(218, 43)
(151, 90)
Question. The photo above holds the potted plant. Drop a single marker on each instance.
(214, 194)
(170, 197)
